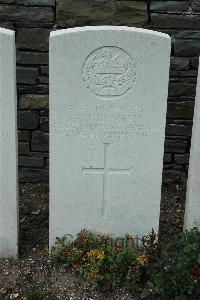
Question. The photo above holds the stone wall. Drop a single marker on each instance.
(34, 19)
(180, 19)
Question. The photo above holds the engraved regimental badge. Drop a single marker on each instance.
(109, 71)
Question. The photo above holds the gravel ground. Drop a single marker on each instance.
(33, 265)
(17, 277)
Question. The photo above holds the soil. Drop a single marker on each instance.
(34, 267)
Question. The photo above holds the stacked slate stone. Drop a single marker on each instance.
(181, 20)
(34, 19)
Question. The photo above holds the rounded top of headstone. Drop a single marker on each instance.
(109, 28)
(6, 31)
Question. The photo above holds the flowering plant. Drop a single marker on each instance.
(100, 263)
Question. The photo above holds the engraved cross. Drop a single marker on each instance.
(106, 171)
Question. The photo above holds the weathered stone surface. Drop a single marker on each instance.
(180, 110)
(33, 175)
(181, 89)
(78, 12)
(189, 34)
(43, 79)
(172, 166)
(187, 80)
(32, 101)
(44, 124)
(175, 21)
(180, 63)
(190, 73)
(27, 75)
(181, 159)
(40, 141)
(196, 5)
(167, 158)
(44, 70)
(186, 122)
(37, 2)
(23, 148)
(8, 147)
(39, 38)
(131, 13)
(175, 146)
(97, 118)
(28, 24)
(33, 25)
(31, 161)
(181, 80)
(33, 89)
(32, 58)
(7, 1)
(171, 175)
(19, 12)
(169, 6)
(24, 135)
(7, 25)
(178, 137)
(187, 47)
(47, 163)
(28, 119)
(194, 62)
(44, 113)
(179, 129)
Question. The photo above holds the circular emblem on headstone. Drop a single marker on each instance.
(109, 71)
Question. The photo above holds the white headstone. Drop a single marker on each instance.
(108, 98)
(192, 209)
(8, 147)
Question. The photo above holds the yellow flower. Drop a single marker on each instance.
(141, 260)
(99, 254)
